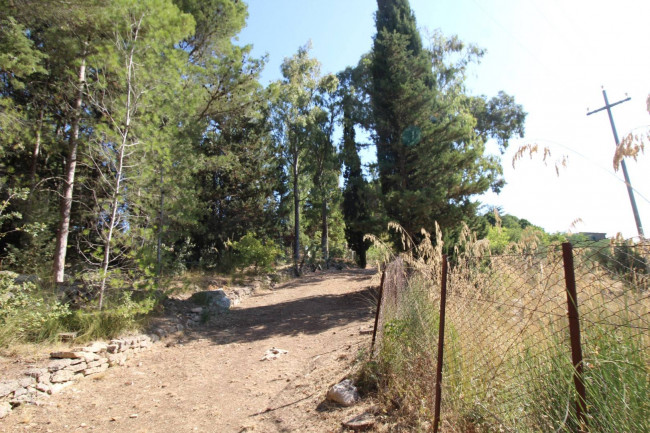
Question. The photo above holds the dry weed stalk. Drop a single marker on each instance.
(532, 149)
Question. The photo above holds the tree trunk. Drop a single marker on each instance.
(119, 169)
(37, 150)
(296, 213)
(324, 239)
(160, 223)
(60, 250)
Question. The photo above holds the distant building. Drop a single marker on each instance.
(595, 236)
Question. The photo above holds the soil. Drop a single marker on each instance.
(212, 378)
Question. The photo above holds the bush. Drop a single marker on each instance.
(119, 315)
(27, 313)
(250, 251)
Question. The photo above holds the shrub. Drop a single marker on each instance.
(250, 251)
(28, 313)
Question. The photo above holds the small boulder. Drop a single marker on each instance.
(343, 393)
(5, 409)
(361, 422)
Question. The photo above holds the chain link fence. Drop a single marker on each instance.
(543, 340)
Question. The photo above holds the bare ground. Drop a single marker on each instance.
(212, 378)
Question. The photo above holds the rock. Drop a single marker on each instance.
(5, 409)
(197, 310)
(95, 370)
(66, 336)
(58, 364)
(96, 347)
(273, 353)
(343, 393)
(76, 367)
(64, 355)
(7, 388)
(212, 299)
(43, 387)
(26, 381)
(37, 373)
(360, 422)
(116, 359)
(97, 363)
(62, 376)
(57, 387)
(19, 392)
(89, 356)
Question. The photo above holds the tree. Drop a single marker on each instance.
(295, 115)
(137, 64)
(325, 165)
(356, 193)
(430, 135)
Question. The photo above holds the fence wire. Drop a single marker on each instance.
(508, 354)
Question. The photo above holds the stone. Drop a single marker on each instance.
(116, 359)
(9, 387)
(65, 355)
(66, 336)
(97, 363)
(43, 387)
(212, 298)
(19, 392)
(62, 376)
(5, 409)
(58, 364)
(273, 353)
(89, 356)
(360, 422)
(36, 373)
(76, 367)
(112, 348)
(26, 381)
(95, 370)
(343, 393)
(57, 387)
(96, 347)
(197, 310)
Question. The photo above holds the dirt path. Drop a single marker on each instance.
(213, 378)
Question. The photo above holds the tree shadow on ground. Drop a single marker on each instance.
(306, 315)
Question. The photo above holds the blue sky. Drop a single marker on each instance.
(552, 55)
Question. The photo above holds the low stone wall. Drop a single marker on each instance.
(65, 367)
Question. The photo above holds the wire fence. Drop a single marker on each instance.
(552, 339)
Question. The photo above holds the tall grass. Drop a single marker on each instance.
(507, 359)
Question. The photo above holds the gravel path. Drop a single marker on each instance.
(213, 378)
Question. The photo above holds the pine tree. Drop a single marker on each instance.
(430, 135)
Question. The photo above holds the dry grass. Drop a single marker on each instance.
(507, 354)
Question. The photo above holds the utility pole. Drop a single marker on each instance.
(630, 191)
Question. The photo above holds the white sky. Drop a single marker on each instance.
(552, 55)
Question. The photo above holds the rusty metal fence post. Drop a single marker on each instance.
(381, 295)
(441, 342)
(574, 329)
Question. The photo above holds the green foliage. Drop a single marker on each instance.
(27, 313)
(430, 134)
(250, 251)
(120, 314)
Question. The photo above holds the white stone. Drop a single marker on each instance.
(343, 393)
(273, 353)
(62, 376)
(5, 409)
